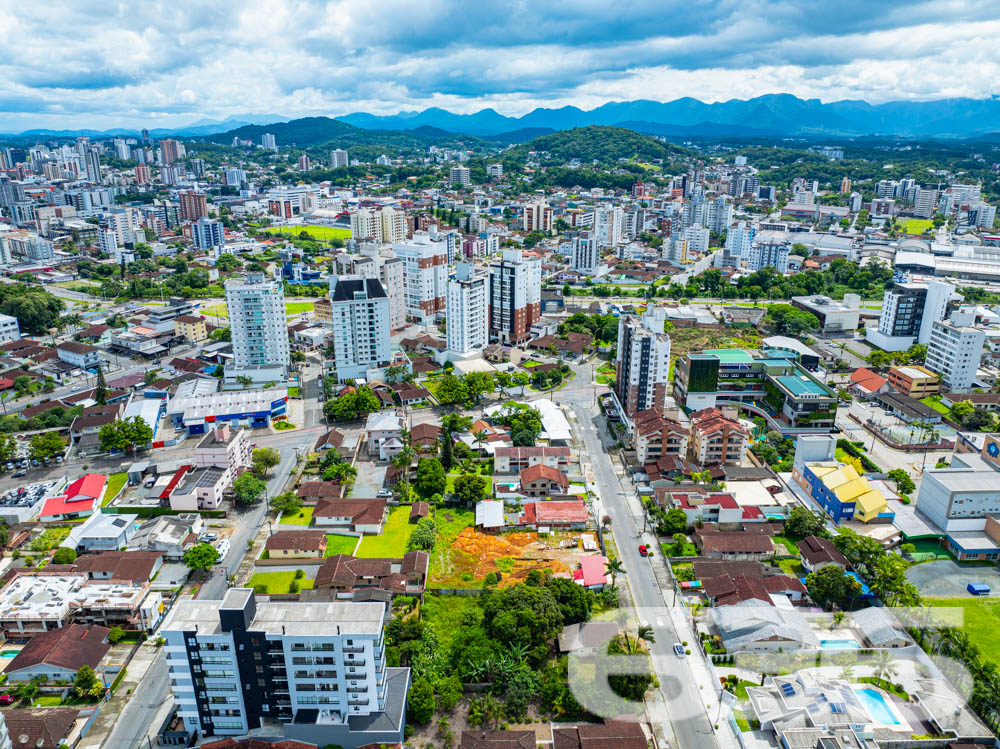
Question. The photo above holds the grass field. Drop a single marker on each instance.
(934, 401)
(83, 286)
(981, 622)
(278, 582)
(321, 233)
(391, 542)
(115, 483)
(302, 517)
(445, 614)
(297, 308)
(788, 544)
(916, 225)
(220, 310)
(450, 523)
(337, 544)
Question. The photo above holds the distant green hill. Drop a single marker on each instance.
(604, 143)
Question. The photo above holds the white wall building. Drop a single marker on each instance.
(955, 350)
(360, 309)
(467, 330)
(608, 229)
(586, 257)
(257, 320)
(425, 275)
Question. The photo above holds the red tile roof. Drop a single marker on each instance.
(868, 380)
(90, 485)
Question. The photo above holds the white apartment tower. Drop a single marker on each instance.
(515, 297)
(338, 157)
(360, 312)
(467, 304)
(388, 269)
(955, 350)
(314, 666)
(257, 322)
(643, 362)
(385, 225)
(425, 275)
(586, 255)
(460, 175)
(537, 217)
(609, 227)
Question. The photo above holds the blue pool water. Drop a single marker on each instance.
(840, 644)
(876, 706)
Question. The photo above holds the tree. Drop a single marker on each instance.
(423, 536)
(614, 568)
(629, 686)
(449, 691)
(451, 390)
(421, 705)
(287, 502)
(431, 478)
(676, 521)
(803, 522)
(470, 488)
(100, 388)
(831, 585)
(524, 422)
(447, 451)
(248, 489)
(28, 690)
(573, 600)
(521, 379)
(903, 481)
(201, 556)
(264, 459)
(45, 445)
(351, 405)
(21, 384)
(64, 555)
(125, 434)
(521, 615)
(116, 635)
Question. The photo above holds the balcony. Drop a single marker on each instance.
(353, 650)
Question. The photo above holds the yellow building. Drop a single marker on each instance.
(191, 327)
(842, 492)
(915, 381)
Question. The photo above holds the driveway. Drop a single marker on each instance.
(947, 578)
(369, 480)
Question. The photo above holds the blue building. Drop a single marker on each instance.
(241, 408)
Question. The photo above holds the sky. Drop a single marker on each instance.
(88, 64)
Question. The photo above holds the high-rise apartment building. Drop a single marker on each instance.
(234, 176)
(317, 667)
(267, 141)
(194, 205)
(257, 320)
(467, 329)
(425, 275)
(460, 175)
(586, 255)
(338, 157)
(643, 362)
(494, 171)
(142, 175)
(384, 225)
(515, 297)
(909, 311)
(304, 164)
(608, 229)
(360, 324)
(537, 217)
(765, 252)
(382, 263)
(169, 151)
(92, 165)
(925, 203)
(208, 234)
(955, 350)
(739, 238)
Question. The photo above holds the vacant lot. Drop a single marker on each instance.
(278, 582)
(948, 579)
(321, 233)
(302, 516)
(391, 542)
(981, 621)
(336, 544)
(916, 225)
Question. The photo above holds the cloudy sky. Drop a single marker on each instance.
(83, 63)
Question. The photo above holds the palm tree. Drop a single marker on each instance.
(646, 634)
(493, 710)
(838, 618)
(614, 568)
(883, 663)
(847, 672)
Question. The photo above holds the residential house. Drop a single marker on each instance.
(358, 515)
(592, 573)
(561, 514)
(817, 553)
(170, 535)
(311, 492)
(613, 734)
(541, 480)
(513, 459)
(347, 575)
(101, 532)
(97, 335)
(748, 626)
(716, 544)
(425, 438)
(79, 355)
(58, 654)
(191, 328)
(703, 506)
(384, 432)
(41, 728)
(866, 384)
(880, 628)
(297, 544)
(497, 740)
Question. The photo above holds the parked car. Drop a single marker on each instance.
(643, 551)
(209, 537)
(9, 466)
(6, 699)
(59, 459)
(223, 549)
(384, 493)
(678, 650)
(76, 389)
(18, 475)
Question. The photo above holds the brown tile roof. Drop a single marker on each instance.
(40, 728)
(333, 438)
(542, 471)
(304, 540)
(734, 542)
(361, 511)
(816, 550)
(497, 740)
(320, 489)
(121, 565)
(347, 572)
(419, 510)
(76, 348)
(70, 647)
(614, 734)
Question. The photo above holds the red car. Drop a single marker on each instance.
(6, 699)
(643, 551)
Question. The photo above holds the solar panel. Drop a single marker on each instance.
(787, 689)
(838, 707)
(813, 707)
(119, 522)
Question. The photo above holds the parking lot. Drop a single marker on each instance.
(948, 579)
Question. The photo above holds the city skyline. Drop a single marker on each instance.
(76, 66)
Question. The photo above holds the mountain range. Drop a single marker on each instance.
(772, 115)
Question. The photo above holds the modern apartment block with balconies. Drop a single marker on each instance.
(318, 669)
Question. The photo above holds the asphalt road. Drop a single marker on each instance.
(691, 725)
(136, 718)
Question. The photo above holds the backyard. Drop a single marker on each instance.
(391, 542)
(320, 233)
(302, 516)
(337, 544)
(278, 582)
(934, 401)
(115, 483)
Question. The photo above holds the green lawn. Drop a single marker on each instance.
(47, 700)
(297, 308)
(293, 391)
(283, 426)
(320, 233)
(83, 286)
(337, 544)
(302, 517)
(278, 582)
(934, 401)
(391, 542)
(115, 483)
(216, 309)
(445, 614)
(791, 567)
(916, 225)
(530, 364)
(981, 622)
(788, 544)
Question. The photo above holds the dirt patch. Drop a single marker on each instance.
(513, 555)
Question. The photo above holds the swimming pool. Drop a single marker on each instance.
(877, 707)
(840, 644)
(9, 653)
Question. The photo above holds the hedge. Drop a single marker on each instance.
(155, 512)
(851, 449)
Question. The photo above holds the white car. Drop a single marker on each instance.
(223, 549)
